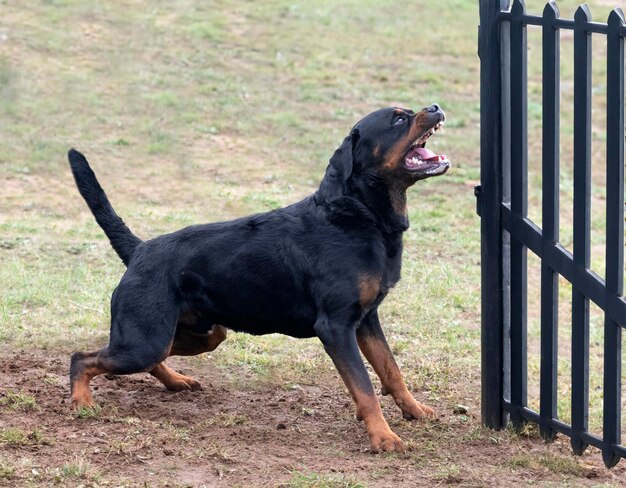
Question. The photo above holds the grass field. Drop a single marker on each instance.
(203, 111)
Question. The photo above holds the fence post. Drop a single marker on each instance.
(614, 234)
(550, 218)
(519, 207)
(489, 204)
(582, 226)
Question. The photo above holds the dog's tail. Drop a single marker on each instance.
(124, 242)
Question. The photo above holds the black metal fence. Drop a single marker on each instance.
(507, 232)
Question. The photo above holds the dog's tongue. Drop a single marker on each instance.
(425, 154)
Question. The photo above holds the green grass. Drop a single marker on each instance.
(7, 470)
(19, 401)
(318, 480)
(565, 465)
(84, 413)
(74, 472)
(17, 437)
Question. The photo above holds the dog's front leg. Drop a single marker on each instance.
(373, 344)
(340, 343)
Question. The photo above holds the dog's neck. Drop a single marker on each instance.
(368, 202)
(364, 200)
(386, 202)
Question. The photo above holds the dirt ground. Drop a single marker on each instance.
(229, 435)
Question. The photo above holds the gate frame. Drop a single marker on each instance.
(494, 327)
(507, 233)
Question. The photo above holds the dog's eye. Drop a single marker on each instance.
(400, 120)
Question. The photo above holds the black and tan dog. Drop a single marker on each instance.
(320, 267)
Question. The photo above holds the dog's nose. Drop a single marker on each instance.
(433, 108)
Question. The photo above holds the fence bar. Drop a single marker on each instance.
(561, 260)
(519, 206)
(614, 233)
(505, 87)
(490, 196)
(563, 428)
(594, 27)
(550, 218)
(582, 205)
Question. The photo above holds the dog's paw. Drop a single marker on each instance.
(386, 441)
(81, 395)
(194, 385)
(181, 382)
(174, 381)
(416, 410)
(82, 401)
(411, 408)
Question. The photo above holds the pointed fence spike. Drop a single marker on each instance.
(617, 17)
(518, 7)
(583, 14)
(551, 10)
(610, 458)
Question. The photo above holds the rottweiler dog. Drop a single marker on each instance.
(320, 267)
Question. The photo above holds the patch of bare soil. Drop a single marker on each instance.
(229, 435)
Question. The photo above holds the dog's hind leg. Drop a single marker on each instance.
(141, 336)
(373, 344)
(172, 380)
(109, 360)
(83, 367)
(188, 343)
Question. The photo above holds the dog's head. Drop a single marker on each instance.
(388, 146)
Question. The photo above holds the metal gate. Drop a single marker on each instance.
(507, 232)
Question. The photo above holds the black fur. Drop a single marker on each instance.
(297, 270)
(122, 239)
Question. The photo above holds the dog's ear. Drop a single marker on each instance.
(340, 168)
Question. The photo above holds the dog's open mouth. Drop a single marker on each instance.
(423, 161)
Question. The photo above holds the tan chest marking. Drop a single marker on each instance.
(369, 288)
